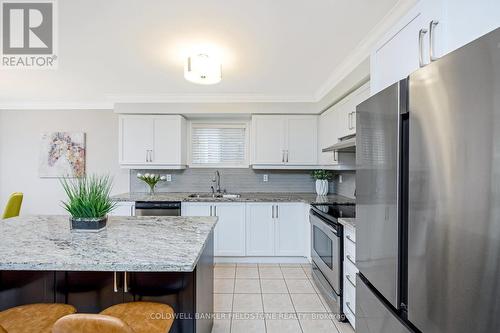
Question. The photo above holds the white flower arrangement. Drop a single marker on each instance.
(151, 179)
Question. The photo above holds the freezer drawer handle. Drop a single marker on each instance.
(348, 277)
(350, 259)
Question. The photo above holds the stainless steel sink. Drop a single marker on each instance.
(213, 195)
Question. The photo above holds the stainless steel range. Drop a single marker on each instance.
(327, 251)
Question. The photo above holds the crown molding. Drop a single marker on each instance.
(364, 48)
(210, 98)
(83, 105)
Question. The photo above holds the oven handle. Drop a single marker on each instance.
(324, 225)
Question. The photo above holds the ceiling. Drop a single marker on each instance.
(129, 50)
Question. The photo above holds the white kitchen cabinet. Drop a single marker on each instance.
(229, 233)
(152, 142)
(260, 229)
(327, 135)
(123, 208)
(268, 139)
(350, 271)
(445, 25)
(284, 140)
(276, 229)
(291, 224)
(397, 54)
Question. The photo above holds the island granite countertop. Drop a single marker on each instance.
(140, 244)
(244, 197)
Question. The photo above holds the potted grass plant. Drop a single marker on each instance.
(88, 201)
(322, 177)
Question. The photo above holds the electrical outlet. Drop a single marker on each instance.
(265, 178)
(169, 178)
(340, 178)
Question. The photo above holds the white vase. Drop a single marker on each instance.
(321, 186)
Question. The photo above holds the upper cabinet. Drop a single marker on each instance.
(152, 142)
(284, 141)
(337, 122)
(430, 30)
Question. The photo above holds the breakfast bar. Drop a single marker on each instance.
(161, 259)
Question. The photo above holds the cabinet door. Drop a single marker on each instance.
(196, 209)
(290, 229)
(136, 138)
(302, 138)
(229, 234)
(397, 55)
(123, 209)
(268, 138)
(168, 140)
(467, 20)
(260, 227)
(344, 110)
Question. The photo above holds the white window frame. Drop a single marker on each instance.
(219, 124)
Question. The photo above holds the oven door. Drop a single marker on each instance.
(325, 251)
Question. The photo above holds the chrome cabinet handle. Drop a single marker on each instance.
(115, 283)
(272, 214)
(432, 27)
(350, 259)
(215, 210)
(151, 156)
(348, 277)
(147, 155)
(125, 282)
(349, 307)
(277, 211)
(335, 156)
(287, 156)
(211, 209)
(282, 156)
(421, 34)
(349, 238)
(349, 120)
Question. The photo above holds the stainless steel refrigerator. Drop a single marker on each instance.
(428, 198)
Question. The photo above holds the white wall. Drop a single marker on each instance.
(19, 152)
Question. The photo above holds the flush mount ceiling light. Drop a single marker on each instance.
(202, 69)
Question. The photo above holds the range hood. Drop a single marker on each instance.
(346, 144)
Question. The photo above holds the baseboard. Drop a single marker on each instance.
(263, 260)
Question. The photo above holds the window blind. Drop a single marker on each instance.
(218, 145)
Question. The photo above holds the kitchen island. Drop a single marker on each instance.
(162, 259)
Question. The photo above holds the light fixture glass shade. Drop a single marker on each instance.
(202, 69)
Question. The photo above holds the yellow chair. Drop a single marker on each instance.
(13, 205)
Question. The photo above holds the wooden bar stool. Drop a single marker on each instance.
(24, 318)
(143, 317)
(90, 323)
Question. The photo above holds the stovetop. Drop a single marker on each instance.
(333, 212)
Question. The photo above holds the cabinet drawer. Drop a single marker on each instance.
(349, 234)
(350, 252)
(350, 272)
(349, 297)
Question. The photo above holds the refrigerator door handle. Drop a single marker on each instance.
(421, 34)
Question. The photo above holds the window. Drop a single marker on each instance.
(222, 145)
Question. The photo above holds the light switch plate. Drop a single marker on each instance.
(340, 178)
(169, 178)
(265, 178)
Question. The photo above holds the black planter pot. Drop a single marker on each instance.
(88, 224)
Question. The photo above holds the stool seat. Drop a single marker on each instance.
(143, 317)
(33, 317)
(90, 323)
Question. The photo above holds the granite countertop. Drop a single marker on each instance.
(245, 197)
(156, 244)
(348, 222)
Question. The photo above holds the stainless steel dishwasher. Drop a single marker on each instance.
(157, 208)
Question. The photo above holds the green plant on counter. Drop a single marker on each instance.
(151, 179)
(321, 174)
(88, 196)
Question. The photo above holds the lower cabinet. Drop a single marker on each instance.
(229, 234)
(123, 208)
(350, 271)
(276, 229)
(255, 229)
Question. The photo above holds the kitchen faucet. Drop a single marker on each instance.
(216, 180)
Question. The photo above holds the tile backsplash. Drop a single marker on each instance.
(241, 180)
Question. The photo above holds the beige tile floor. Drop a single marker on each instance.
(270, 298)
